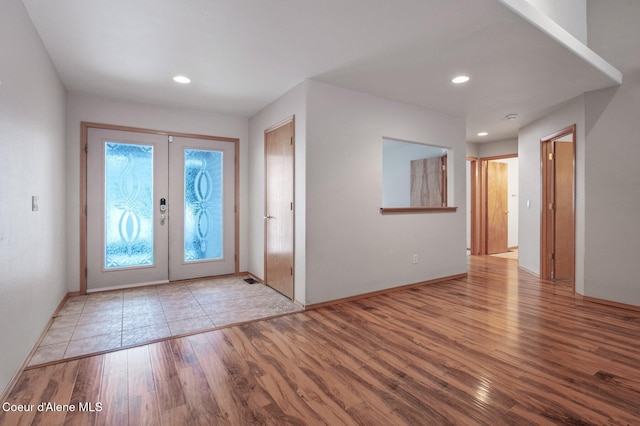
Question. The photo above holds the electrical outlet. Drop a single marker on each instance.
(35, 200)
(415, 259)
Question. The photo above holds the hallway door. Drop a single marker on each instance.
(497, 179)
(278, 215)
(159, 208)
(558, 216)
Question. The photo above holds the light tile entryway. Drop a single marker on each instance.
(122, 318)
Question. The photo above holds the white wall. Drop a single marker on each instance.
(124, 113)
(569, 14)
(472, 149)
(351, 248)
(613, 180)
(32, 162)
(571, 112)
(613, 193)
(292, 103)
(497, 148)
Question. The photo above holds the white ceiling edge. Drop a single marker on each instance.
(535, 17)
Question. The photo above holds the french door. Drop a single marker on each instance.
(159, 208)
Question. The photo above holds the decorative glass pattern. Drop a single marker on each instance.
(202, 205)
(128, 205)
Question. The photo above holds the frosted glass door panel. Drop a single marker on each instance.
(203, 218)
(128, 205)
(202, 194)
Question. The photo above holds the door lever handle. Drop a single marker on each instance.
(268, 217)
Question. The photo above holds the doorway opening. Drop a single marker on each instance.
(493, 199)
(557, 224)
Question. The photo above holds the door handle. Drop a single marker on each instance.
(268, 217)
(163, 210)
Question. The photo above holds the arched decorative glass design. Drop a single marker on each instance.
(128, 205)
(203, 196)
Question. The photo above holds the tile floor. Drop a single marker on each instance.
(117, 319)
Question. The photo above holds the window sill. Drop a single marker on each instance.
(388, 210)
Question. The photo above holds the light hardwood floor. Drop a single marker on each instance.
(499, 347)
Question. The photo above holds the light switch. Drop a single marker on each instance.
(35, 200)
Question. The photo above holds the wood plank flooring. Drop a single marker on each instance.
(499, 347)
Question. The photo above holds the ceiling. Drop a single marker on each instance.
(241, 55)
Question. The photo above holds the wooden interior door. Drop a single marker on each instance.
(564, 228)
(558, 218)
(497, 179)
(278, 217)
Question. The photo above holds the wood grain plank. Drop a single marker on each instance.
(114, 395)
(115, 362)
(139, 371)
(86, 390)
(58, 394)
(26, 395)
(182, 353)
(230, 380)
(280, 389)
(202, 408)
(167, 382)
(143, 409)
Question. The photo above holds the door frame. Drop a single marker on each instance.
(482, 186)
(546, 243)
(84, 127)
(289, 120)
(475, 206)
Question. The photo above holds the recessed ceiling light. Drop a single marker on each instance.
(181, 79)
(483, 134)
(460, 79)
